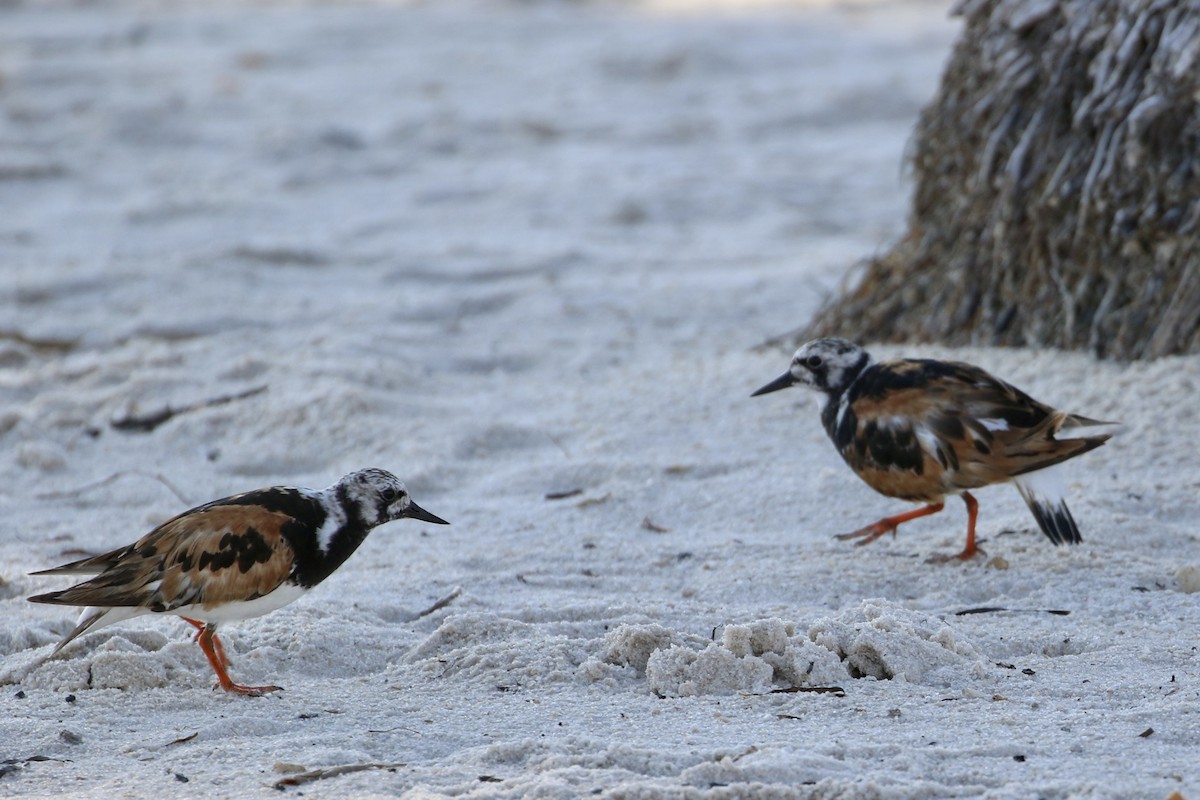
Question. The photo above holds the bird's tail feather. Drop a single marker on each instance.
(1080, 421)
(1044, 493)
(1074, 426)
(95, 618)
(92, 565)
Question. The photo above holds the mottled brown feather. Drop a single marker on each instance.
(948, 410)
(926, 487)
(209, 556)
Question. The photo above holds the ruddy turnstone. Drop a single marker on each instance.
(234, 558)
(920, 430)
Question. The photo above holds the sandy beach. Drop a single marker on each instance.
(524, 255)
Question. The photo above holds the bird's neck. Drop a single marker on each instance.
(830, 402)
(319, 562)
(838, 418)
(334, 541)
(342, 546)
(835, 400)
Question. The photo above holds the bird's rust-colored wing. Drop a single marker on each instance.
(919, 430)
(211, 555)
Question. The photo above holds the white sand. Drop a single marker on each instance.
(506, 250)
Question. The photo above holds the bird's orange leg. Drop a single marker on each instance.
(970, 550)
(888, 525)
(214, 651)
(217, 645)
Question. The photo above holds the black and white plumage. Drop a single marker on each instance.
(920, 430)
(235, 558)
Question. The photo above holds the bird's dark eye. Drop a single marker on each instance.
(389, 494)
(812, 362)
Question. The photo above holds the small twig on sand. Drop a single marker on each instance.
(650, 525)
(11, 765)
(440, 604)
(392, 730)
(836, 691)
(143, 423)
(52, 344)
(330, 772)
(994, 609)
(111, 478)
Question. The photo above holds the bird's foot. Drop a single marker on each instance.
(966, 555)
(247, 691)
(870, 533)
(888, 525)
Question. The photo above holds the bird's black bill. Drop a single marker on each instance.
(782, 382)
(414, 511)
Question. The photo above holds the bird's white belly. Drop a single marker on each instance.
(243, 609)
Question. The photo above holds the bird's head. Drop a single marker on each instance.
(827, 365)
(379, 497)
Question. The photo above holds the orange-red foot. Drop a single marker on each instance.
(248, 691)
(888, 525)
(966, 555)
(868, 534)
